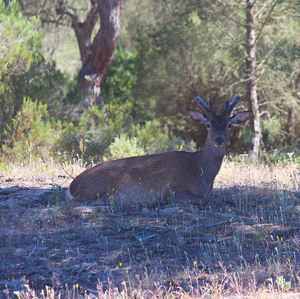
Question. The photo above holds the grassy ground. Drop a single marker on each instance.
(246, 244)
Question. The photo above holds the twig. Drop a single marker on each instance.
(265, 21)
(267, 56)
(63, 169)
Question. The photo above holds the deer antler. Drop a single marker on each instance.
(229, 105)
(207, 106)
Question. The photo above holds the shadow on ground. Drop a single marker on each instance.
(45, 241)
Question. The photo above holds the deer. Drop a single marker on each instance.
(144, 180)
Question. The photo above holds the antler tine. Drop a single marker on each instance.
(207, 106)
(229, 105)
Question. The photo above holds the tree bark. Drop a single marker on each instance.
(251, 86)
(96, 55)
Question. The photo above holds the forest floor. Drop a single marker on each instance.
(247, 242)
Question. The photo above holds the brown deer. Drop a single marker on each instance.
(144, 180)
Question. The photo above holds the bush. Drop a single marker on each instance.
(96, 130)
(47, 84)
(272, 132)
(123, 147)
(285, 156)
(120, 80)
(152, 136)
(20, 40)
(155, 137)
(31, 134)
(21, 44)
(120, 84)
(109, 132)
(23, 70)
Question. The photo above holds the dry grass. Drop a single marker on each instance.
(280, 175)
(246, 247)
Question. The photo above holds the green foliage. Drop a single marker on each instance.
(175, 52)
(283, 284)
(272, 131)
(285, 54)
(47, 84)
(120, 83)
(120, 80)
(20, 44)
(123, 147)
(20, 41)
(155, 137)
(96, 130)
(196, 62)
(152, 136)
(109, 133)
(181, 57)
(23, 70)
(285, 156)
(31, 134)
(196, 48)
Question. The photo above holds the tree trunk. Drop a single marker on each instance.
(251, 86)
(96, 55)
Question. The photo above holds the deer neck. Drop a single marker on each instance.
(209, 161)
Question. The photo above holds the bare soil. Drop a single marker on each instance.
(251, 231)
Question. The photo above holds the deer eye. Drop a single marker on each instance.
(208, 125)
(229, 125)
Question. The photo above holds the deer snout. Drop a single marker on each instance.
(219, 141)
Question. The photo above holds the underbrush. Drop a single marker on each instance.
(102, 133)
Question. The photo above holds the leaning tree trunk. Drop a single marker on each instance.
(99, 56)
(96, 55)
(251, 86)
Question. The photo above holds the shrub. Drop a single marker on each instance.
(152, 136)
(95, 131)
(284, 156)
(155, 137)
(272, 132)
(47, 84)
(31, 133)
(21, 42)
(20, 48)
(120, 80)
(123, 147)
(23, 70)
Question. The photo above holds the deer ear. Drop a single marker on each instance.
(240, 117)
(197, 116)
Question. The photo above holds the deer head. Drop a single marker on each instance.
(218, 126)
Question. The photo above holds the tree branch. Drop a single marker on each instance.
(265, 21)
(91, 19)
(64, 11)
(261, 9)
(266, 56)
(100, 52)
(230, 17)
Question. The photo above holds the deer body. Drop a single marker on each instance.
(155, 175)
(146, 179)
